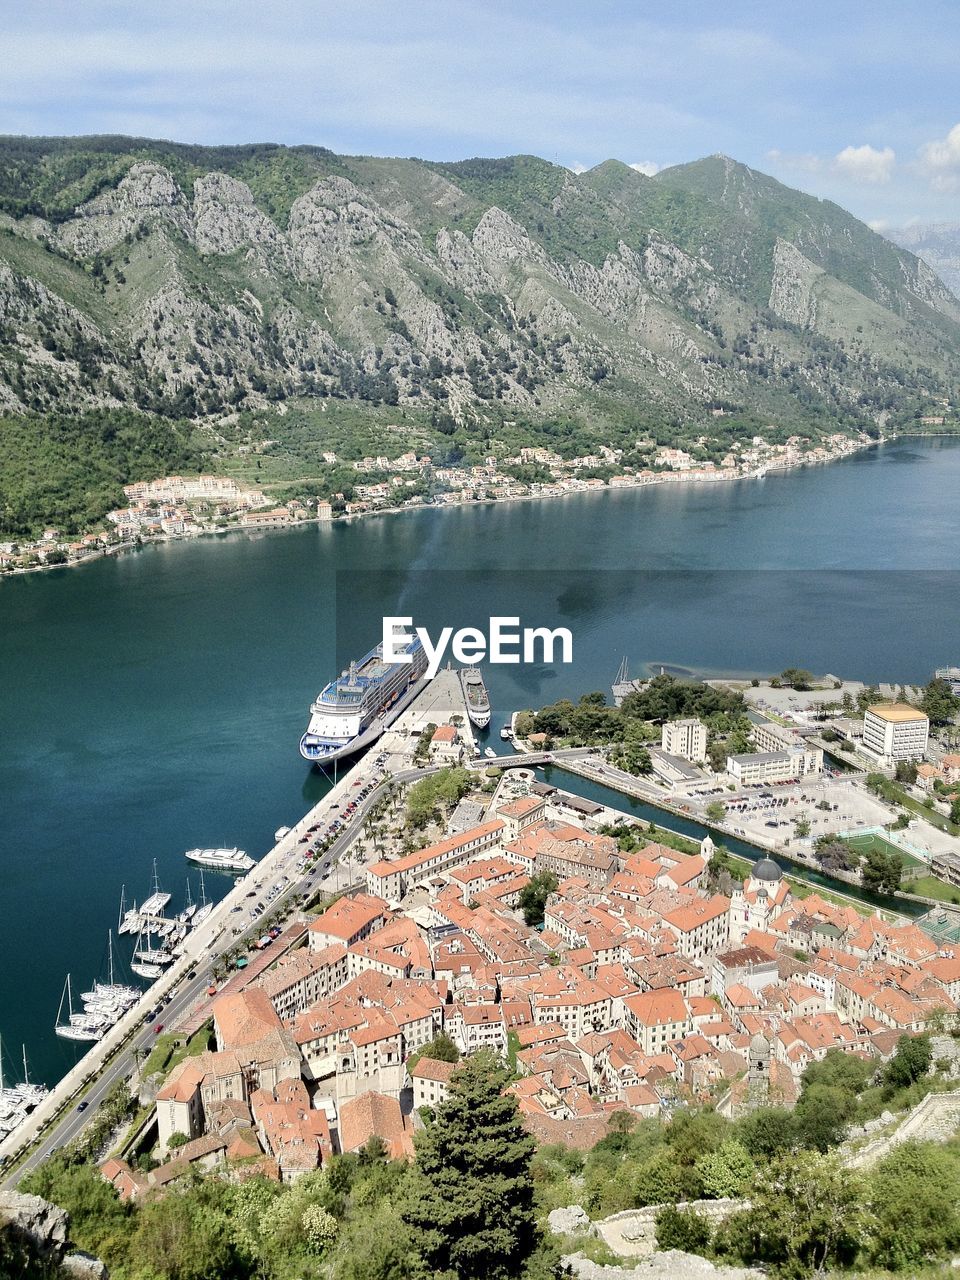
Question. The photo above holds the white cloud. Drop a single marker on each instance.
(879, 225)
(866, 163)
(940, 161)
(577, 168)
(647, 167)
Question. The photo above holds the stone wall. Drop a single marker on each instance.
(633, 1233)
(932, 1120)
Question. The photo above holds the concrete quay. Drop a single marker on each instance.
(113, 1058)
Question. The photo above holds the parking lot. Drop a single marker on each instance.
(770, 814)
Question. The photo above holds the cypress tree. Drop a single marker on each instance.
(470, 1203)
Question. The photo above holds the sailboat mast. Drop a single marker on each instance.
(26, 1074)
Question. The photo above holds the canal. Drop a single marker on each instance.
(557, 776)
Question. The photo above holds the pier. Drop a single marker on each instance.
(180, 994)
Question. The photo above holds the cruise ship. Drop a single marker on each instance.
(475, 696)
(221, 859)
(354, 710)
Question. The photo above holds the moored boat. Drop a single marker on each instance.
(221, 859)
(476, 697)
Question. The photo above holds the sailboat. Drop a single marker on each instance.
(205, 907)
(32, 1094)
(105, 994)
(78, 1026)
(187, 914)
(157, 900)
(148, 961)
(129, 920)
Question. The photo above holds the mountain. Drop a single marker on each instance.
(191, 282)
(937, 244)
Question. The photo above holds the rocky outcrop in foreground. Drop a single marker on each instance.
(669, 1265)
(35, 1234)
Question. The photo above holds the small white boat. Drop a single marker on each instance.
(280, 832)
(490, 753)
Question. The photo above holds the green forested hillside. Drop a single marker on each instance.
(188, 282)
(69, 471)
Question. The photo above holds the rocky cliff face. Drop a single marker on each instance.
(937, 245)
(190, 290)
(34, 1236)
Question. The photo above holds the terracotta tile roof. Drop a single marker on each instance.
(244, 1018)
(657, 1008)
(374, 1114)
(349, 916)
(434, 1069)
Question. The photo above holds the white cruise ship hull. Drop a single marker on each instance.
(325, 751)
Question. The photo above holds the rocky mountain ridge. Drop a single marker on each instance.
(935, 243)
(507, 286)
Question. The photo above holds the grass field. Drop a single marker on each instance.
(931, 887)
(863, 845)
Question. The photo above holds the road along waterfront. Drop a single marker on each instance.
(56, 1121)
(153, 702)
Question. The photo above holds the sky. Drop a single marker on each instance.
(854, 100)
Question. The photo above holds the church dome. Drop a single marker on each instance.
(767, 869)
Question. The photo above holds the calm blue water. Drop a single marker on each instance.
(152, 702)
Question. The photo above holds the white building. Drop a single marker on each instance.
(775, 766)
(687, 738)
(895, 731)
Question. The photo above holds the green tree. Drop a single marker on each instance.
(659, 1180)
(179, 1238)
(806, 1213)
(726, 1171)
(378, 1246)
(910, 1062)
(470, 1199)
(796, 678)
(822, 1114)
(881, 870)
(682, 1229)
(716, 811)
(533, 896)
(915, 1205)
(906, 771)
(840, 1070)
(441, 1048)
(939, 702)
(801, 827)
(767, 1132)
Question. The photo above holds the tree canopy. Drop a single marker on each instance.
(470, 1201)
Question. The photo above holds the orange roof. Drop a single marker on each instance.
(656, 1008)
(374, 1114)
(245, 1017)
(434, 1069)
(694, 914)
(519, 808)
(349, 916)
(444, 733)
(411, 860)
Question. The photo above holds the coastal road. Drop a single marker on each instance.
(183, 998)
